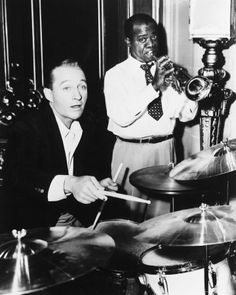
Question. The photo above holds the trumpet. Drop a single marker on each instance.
(196, 88)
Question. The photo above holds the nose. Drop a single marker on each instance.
(149, 42)
(77, 94)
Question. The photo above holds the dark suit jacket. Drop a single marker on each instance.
(34, 155)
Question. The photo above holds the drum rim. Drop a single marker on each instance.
(172, 269)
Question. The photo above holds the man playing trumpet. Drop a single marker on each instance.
(142, 107)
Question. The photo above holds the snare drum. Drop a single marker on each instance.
(169, 275)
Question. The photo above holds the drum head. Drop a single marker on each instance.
(157, 260)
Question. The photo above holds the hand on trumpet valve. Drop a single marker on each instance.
(164, 71)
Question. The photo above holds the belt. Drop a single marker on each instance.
(150, 139)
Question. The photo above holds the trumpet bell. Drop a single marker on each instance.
(198, 88)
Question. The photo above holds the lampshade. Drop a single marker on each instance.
(210, 19)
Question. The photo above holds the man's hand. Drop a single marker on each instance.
(109, 184)
(86, 189)
(164, 69)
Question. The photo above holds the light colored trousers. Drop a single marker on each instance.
(136, 156)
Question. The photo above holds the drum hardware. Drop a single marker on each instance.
(232, 259)
(162, 282)
(212, 275)
(208, 228)
(37, 259)
(168, 274)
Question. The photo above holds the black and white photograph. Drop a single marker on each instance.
(118, 147)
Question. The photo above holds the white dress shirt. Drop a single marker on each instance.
(127, 97)
(71, 138)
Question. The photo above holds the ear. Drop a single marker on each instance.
(127, 41)
(48, 94)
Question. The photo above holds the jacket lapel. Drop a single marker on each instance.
(55, 141)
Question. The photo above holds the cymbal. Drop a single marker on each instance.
(218, 160)
(37, 259)
(191, 227)
(156, 179)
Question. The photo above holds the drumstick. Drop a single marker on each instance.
(98, 214)
(104, 202)
(125, 197)
(117, 172)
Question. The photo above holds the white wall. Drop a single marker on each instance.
(183, 51)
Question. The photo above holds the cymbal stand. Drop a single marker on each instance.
(206, 278)
(227, 191)
(203, 208)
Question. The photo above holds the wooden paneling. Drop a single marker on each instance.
(142, 6)
(115, 14)
(20, 35)
(70, 30)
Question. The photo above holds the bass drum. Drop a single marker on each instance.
(172, 275)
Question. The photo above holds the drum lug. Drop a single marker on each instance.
(162, 282)
(212, 275)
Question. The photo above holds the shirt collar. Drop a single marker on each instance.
(136, 63)
(75, 126)
(133, 61)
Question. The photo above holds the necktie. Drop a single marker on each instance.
(155, 107)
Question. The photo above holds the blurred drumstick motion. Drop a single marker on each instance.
(104, 202)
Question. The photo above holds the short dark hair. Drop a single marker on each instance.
(69, 62)
(139, 18)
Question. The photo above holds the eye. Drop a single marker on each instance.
(83, 87)
(154, 37)
(142, 39)
(66, 88)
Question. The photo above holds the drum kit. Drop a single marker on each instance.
(182, 252)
